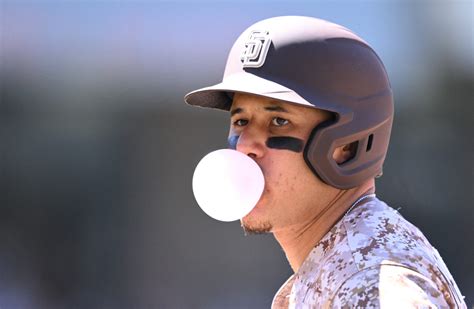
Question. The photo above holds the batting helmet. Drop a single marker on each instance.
(312, 62)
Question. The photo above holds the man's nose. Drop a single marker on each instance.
(251, 142)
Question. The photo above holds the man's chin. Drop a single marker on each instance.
(255, 228)
(256, 222)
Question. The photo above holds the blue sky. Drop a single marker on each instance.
(187, 41)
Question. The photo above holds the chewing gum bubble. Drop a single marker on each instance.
(227, 184)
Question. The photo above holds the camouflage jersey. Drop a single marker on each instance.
(371, 258)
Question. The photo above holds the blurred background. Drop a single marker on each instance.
(97, 147)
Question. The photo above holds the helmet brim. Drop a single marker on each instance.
(220, 95)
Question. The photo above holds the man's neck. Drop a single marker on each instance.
(298, 241)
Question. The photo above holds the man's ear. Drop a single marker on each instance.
(344, 153)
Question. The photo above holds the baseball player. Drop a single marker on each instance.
(310, 102)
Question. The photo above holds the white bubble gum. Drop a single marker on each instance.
(227, 184)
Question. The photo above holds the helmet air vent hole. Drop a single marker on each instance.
(369, 142)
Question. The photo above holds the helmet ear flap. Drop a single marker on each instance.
(309, 150)
(369, 135)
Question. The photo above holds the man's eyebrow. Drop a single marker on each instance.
(276, 108)
(270, 108)
(236, 111)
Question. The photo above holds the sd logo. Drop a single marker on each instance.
(256, 48)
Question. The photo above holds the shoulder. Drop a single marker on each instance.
(389, 250)
(376, 232)
(366, 252)
(388, 285)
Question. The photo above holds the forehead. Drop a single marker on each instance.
(243, 102)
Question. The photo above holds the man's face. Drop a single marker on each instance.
(274, 134)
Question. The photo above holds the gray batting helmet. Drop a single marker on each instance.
(312, 62)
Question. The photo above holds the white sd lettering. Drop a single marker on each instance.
(256, 49)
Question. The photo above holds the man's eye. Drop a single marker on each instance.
(240, 122)
(277, 121)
